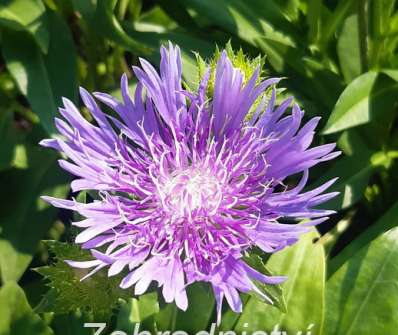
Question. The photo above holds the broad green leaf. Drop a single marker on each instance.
(387, 221)
(196, 318)
(370, 97)
(348, 49)
(72, 323)
(139, 310)
(24, 217)
(29, 15)
(200, 310)
(17, 317)
(304, 265)
(362, 296)
(43, 79)
(167, 316)
(393, 74)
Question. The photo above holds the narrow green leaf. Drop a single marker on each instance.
(43, 79)
(311, 76)
(362, 296)
(381, 43)
(249, 20)
(304, 264)
(314, 20)
(17, 317)
(370, 97)
(334, 20)
(107, 24)
(179, 14)
(348, 49)
(28, 15)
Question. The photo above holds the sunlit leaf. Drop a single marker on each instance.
(304, 265)
(368, 98)
(24, 217)
(43, 79)
(28, 15)
(362, 296)
(17, 317)
(348, 49)
(139, 311)
(387, 221)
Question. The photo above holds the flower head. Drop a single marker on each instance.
(188, 184)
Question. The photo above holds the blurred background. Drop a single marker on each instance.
(340, 61)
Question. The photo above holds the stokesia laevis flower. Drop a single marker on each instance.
(187, 184)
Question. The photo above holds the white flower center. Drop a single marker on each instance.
(192, 191)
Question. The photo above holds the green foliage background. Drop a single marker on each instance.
(341, 62)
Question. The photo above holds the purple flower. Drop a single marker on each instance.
(186, 184)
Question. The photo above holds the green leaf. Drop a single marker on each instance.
(274, 292)
(43, 79)
(314, 20)
(200, 310)
(370, 97)
(98, 294)
(72, 323)
(17, 317)
(348, 49)
(196, 318)
(309, 75)
(304, 265)
(28, 15)
(381, 31)
(362, 296)
(334, 20)
(249, 20)
(138, 311)
(179, 14)
(353, 170)
(25, 218)
(387, 221)
(106, 23)
(187, 43)
(11, 148)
